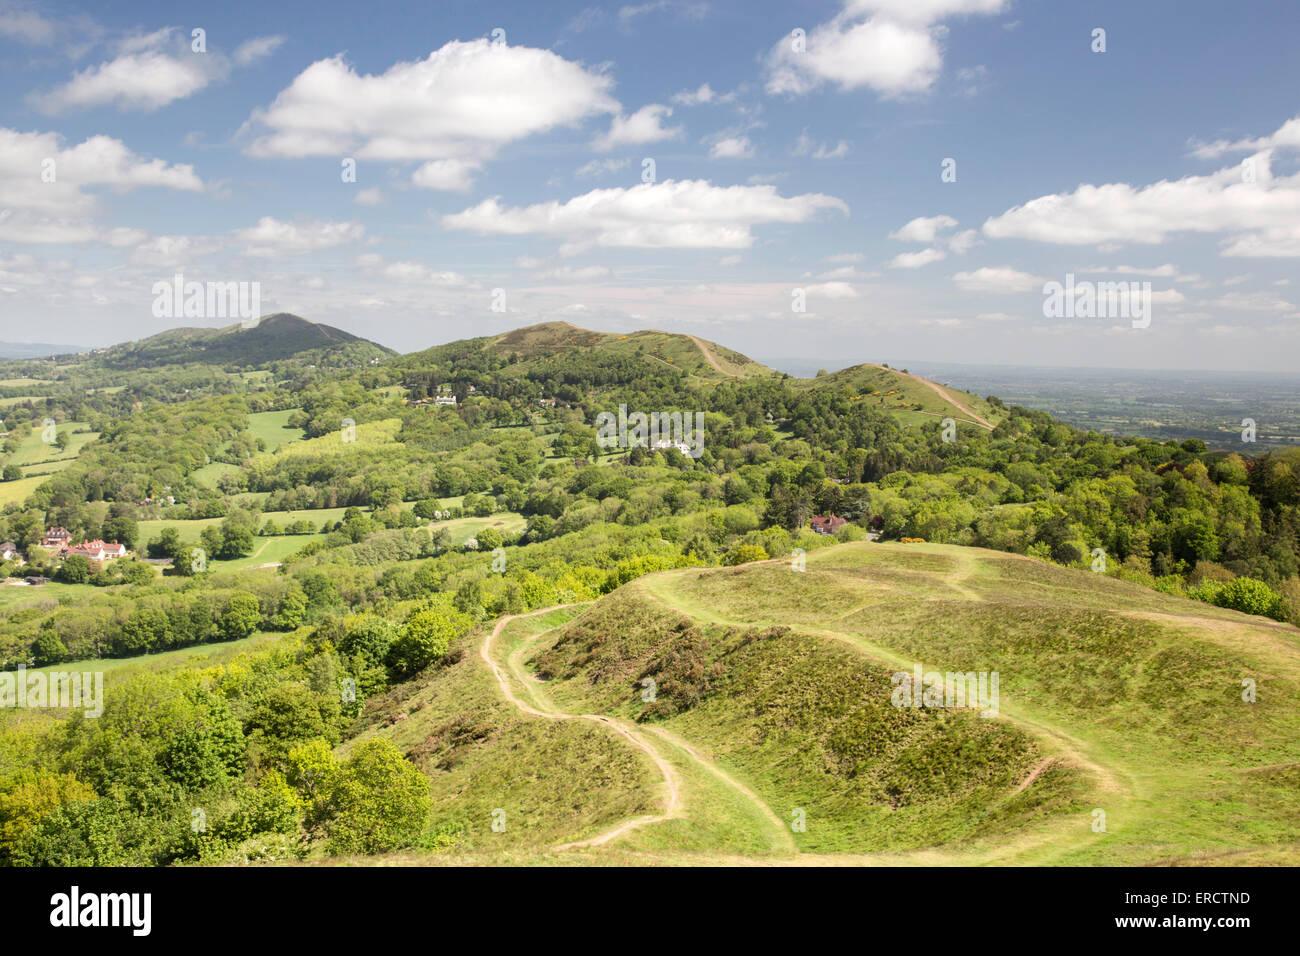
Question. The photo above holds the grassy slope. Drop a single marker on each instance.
(1113, 697)
(461, 530)
(273, 428)
(543, 344)
(555, 780)
(708, 363)
(898, 393)
(39, 460)
(14, 595)
(275, 337)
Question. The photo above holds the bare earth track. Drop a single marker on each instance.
(672, 784)
(942, 393)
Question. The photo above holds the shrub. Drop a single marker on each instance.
(378, 801)
(1247, 595)
(75, 570)
(745, 553)
(24, 804)
(425, 638)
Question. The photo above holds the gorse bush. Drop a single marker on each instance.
(1243, 594)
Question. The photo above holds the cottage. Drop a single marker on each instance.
(97, 550)
(9, 551)
(57, 538)
(828, 524)
(663, 443)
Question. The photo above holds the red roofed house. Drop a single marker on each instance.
(827, 525)
(57, 538)
(99, 551)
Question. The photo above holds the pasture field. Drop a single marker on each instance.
(273, 428)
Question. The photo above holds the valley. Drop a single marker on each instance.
(407, 609)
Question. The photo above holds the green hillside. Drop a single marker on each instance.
(675, 691)
(275, 338)
(773, 696)
(538, 347)
(552, 352)
(909, 398)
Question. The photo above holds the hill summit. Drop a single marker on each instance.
(275, 338)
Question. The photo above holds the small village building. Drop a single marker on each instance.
(97, 550)
(57, 538)
(828, 524)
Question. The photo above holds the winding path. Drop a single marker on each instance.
(672, 785)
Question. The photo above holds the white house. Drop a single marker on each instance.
(99, 551)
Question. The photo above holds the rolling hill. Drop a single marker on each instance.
(909, 397)
(1120, 737)
(541, 349)
(275, 338)
(547, 343)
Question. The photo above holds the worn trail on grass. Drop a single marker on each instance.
(708, 356)
(945, 395)
(672, 784)
(673, 797)
(661, 588)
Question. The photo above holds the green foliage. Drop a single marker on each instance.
(291, 714)
(744, 553)
(1242, 594)
(24, 802)
(425, 638)
(241, 616)
(75, 569)
(377, 801)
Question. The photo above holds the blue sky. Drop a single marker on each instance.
(510, 170)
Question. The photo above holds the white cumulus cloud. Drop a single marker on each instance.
(685, 214)
(646, 125)
(889, 46)
(452, 110)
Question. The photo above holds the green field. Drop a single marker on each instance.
(268, 551)
(461, 530)
(191, 528)
(202, 655)
(382, 432)
(22, 382)
(33, 449)
(208, 475)
(273, 428)
(13, 596)
(16, 492)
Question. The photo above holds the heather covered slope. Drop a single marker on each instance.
(539, 350)
(772, 703)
